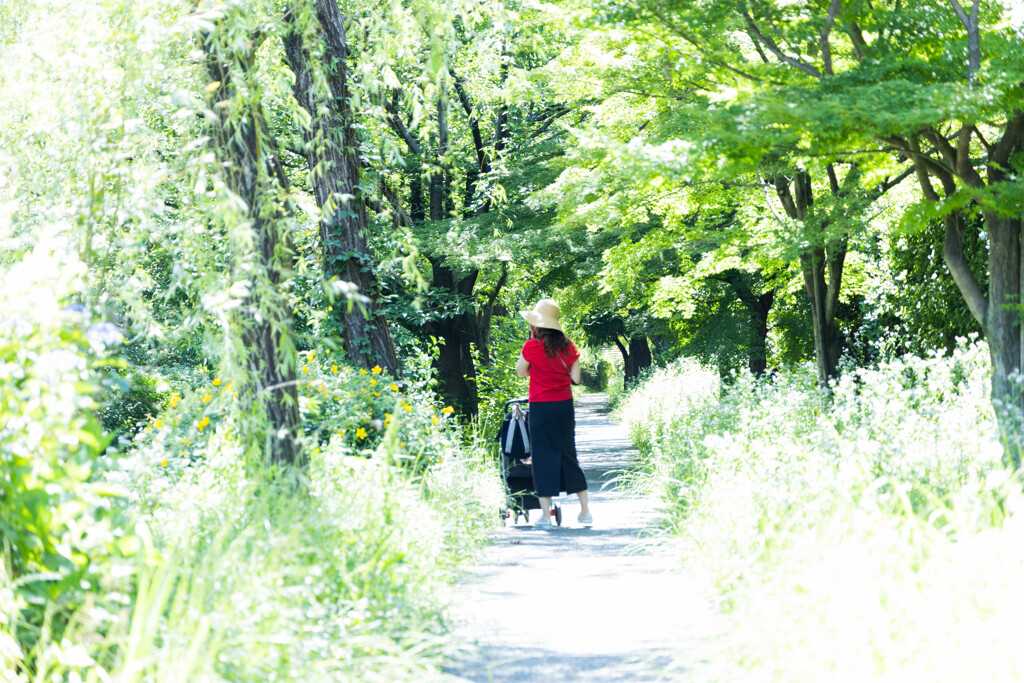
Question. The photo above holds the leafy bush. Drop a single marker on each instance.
(874, 533)
(129, 402)
(58, 517)
(333, 575)
(597, 373)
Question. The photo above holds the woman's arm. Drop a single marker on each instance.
(575, 373)
(522, 367)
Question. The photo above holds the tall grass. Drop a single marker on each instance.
(875, 535)
(337, 576)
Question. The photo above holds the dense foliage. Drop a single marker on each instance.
(262, 262)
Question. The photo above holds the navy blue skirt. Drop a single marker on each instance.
(553, 449)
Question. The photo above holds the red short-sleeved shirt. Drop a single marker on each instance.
(549, 378)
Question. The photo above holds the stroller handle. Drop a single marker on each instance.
(516, 400)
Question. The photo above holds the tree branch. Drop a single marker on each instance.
(676, 29)
(400, 128)
(953, 254)
(1011, 140)
(961, 166)
(474, 120)
(550, 120)
(973, 38)
(857, 40)
(826, 50)
(775, 50)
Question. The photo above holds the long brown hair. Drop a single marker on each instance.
(553, 341)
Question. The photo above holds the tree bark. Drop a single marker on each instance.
(332, 152)
(797, 198)
(998, 314)
(636, 357)
(440, 185)
(759, 307)
(252, 172)
(1003, 328)
(456, 371)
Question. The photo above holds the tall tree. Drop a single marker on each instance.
(247, 160)
(322, 74)
(456, 144)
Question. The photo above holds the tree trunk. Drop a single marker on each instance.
(999, 315)
(332, 151)
(797, 199)
(635, 359)
(824, 298)
(440, 181)
(455, 386)
(758, 358)
(759, 306)
(239, 139)
(1003, 328)
(456, 372)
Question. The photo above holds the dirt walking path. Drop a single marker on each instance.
(582, 604)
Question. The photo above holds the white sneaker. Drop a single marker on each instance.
(542, 523)
(585, 518)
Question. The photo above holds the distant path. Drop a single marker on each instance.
(577, 604)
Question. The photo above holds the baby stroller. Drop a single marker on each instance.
(516, 467)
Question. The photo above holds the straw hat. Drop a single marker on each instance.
(544, 314)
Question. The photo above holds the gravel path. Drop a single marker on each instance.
(579, 604)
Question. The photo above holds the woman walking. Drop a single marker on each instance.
(553, 365)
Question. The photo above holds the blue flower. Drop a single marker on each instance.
(103, 334)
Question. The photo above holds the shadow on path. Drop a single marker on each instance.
(576, 603)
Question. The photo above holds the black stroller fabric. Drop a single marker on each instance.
(514, 435)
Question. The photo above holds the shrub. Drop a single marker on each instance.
(333, 574)
(58, 517)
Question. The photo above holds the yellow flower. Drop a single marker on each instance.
(204, 422)
(341, 432)
(435, 419)
(216, 381)
(373, 382)
(394, 387)
(448, 410)
(387, 418)
(403, 444)
(305, 370)
(158, 423)
(408, 408)
(361, 433)
(334, 369)
(163, 463)
(376, 393)
(363, 371)
(310, 356)
(175, 399)
(377, 369)
(207, 398)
